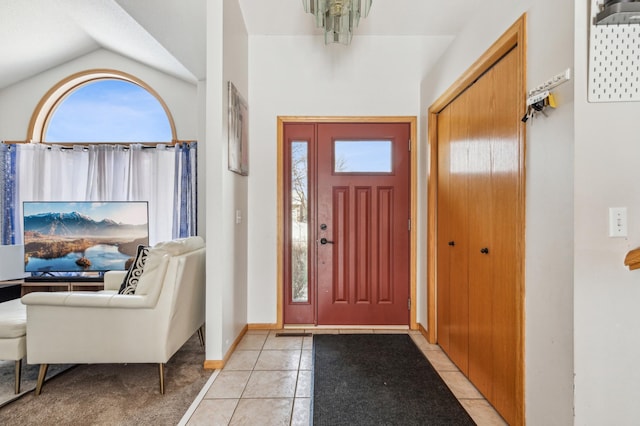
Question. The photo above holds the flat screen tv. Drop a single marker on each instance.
(82, 236)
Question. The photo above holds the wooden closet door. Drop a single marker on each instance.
(481, 222)
(453, 288)
(494, 185)
(459, 233)
(479, 189)
(445, 242)
(505, 192)
(453, 229)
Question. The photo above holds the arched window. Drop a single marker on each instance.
(101, 106)
(108, 110)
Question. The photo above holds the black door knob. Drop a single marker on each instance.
(325, 241)
(484, 250)
(452, 243)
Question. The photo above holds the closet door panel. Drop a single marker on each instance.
(481, 211)
(481, 252)
(505, 156)
(459, 233)
(444, 233)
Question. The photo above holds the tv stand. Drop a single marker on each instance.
(58, 279)
(67, 285)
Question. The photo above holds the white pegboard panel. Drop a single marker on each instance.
(614, 61)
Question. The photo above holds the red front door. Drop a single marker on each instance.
(358, 198)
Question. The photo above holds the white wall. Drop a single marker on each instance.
(300, 76)
(226, 192)
(607, 318)
(18, 101)
(549, 194)
(235, 197)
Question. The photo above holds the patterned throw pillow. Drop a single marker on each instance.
(130, 281)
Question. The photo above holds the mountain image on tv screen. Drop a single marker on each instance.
(83, 236)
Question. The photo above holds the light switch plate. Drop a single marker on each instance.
(617, 222)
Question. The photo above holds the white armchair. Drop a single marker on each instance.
(106, 327)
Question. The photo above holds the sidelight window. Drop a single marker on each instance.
(299, 222)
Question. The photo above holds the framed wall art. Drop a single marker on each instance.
(238, 132)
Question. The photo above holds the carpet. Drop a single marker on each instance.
(378, 379)
(115, 394)
(28, 380)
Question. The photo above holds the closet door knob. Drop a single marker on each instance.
(484, 250)
(452, 243)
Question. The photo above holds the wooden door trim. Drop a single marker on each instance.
(413, 209)
(514, 36)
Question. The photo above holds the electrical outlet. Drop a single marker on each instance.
(617, 222)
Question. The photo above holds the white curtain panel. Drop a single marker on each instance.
(151, 179)
(100, 173)
(106, 173)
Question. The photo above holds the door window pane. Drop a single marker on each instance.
(299, 222)
(362, 157)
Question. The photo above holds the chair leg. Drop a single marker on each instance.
(41, 375)
(161, 371)
(18, 375)
(201, 335)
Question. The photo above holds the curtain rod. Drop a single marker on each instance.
(72, 144)
(84, 147)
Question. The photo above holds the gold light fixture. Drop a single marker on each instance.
(337, 17)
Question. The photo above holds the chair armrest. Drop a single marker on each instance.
(87, 300)
(89, 327)
(113, 279)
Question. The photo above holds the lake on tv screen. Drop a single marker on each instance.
(103, 257)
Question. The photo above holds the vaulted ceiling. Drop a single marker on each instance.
(170, 35)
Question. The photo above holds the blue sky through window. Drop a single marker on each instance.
(130, 212)
(109, 110)
(373, 156)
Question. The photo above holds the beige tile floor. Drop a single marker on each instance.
(267, 381)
